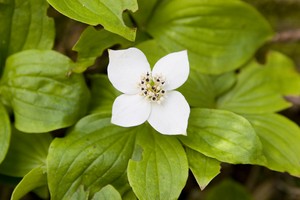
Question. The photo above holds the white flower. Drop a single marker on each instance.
(149, 96)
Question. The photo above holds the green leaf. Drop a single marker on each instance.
(105, 12)
(34, 179)
(26, 152)
(92, 44)
(219, 35)
(26, 26)
(107, 193)
(5, 132)
(103, 94)
(6, 12)
(152, 50)
(159, 168)
(223, 82)
(228, 190)
(42, 192)
(97, 155)
(143, 14)
(42, 96)
(281, 72)
(202, 90)
(80, 194)
(253, 93)
(280, 139)
(203, 168)
(199, 90)
(224, 136)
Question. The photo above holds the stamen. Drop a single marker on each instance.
(152, 87)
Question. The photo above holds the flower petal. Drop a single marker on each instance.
(174, 67)
(130, 110)
(171, 116)
(125, 69)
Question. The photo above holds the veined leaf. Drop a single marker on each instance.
(224, 136)
(253, 93)
(203, 168)
(80, 194)
(159, 168)
(281, 73)
(202, 90)
(280, 139)
(92, 44)
(34, 179)
(97, 155)
(219, 35)
(152, 50)
(199, 90)
(103, 94)
(224, 82)
(41, 94)
(105, 12)
(26, 152)
(26, 26)
(107, 193)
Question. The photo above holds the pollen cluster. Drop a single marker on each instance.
(151, 87)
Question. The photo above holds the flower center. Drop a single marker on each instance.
(151, 87)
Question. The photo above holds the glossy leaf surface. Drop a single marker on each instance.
(98, 154)
(42, 95)
(224, 136)
(203, 168)
(219, 35)
(159, 168)
(280, 138)
(105, 12)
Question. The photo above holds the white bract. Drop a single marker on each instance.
(149, 95)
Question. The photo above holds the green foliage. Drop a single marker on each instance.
(107, 193)
(41, 94)
(162, 163)
(26, 26)
(233, 98)
(107, 13)
(203, 168)
(219, 134)
(34, 179)
(88, 50)
(216, 37)
(237, 192)
(98, 153)
(102, 101)
(280, 138)
(254, 93)
(5, 132)
(26, 152)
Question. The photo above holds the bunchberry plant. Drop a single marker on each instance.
(157, 88)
